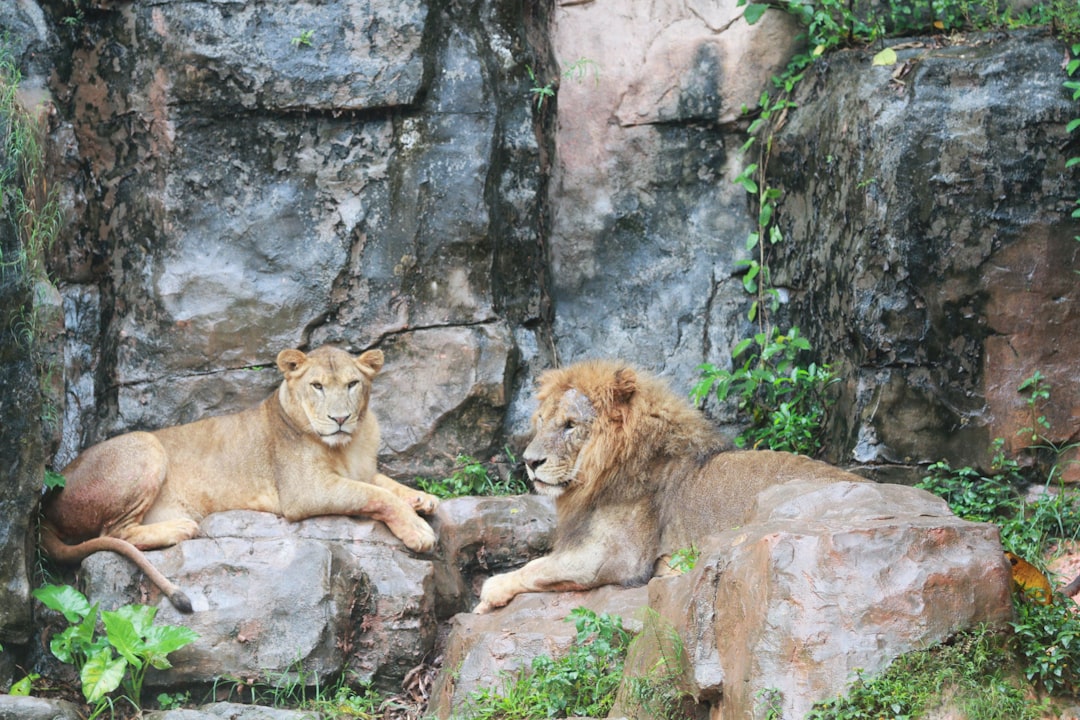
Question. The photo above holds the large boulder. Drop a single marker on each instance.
(823, 580)
(274, 598)
(480, 536)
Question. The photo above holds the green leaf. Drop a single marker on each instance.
(124, 637)
(23, 687)
(101, 675)
(766, 213)
(164, 639)
(64, 599)
(885, 57)
(754, 12)
(741, 347)
(1073, 124)
(141, 617)
(54, 480)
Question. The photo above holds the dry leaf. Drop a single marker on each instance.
(1028, 578)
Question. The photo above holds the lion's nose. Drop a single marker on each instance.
(340, 420)
(534, 463)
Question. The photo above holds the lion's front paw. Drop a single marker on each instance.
(497, 591)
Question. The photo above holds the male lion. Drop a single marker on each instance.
(308, 449)
(637, 473)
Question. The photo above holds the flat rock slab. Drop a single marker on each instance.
(13, 707)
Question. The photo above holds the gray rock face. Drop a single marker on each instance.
(32, 708)
(647, 224)
(302, 175)
(929, 246)
(232, 711)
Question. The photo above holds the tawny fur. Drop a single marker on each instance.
(309, 449)
(637, 473)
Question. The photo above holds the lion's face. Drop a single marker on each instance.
(563, 425)
(326, 392)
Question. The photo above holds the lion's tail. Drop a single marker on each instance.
(60, 551)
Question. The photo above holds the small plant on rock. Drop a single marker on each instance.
(130, 645)
(583, 683)
(472, 477)
(656, 664)
(784, 401)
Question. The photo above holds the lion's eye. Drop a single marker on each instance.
(569, 425)
(353, 384)
(317, 386)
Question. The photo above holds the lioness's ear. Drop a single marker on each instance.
(290, 360)
(370, 362)
(625, 385)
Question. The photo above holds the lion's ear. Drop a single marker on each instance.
(290, 360)
(625, 385)
(371, 362)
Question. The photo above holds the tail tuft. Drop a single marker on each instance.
(181, 601)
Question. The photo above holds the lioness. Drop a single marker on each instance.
(637, 473)
(309, 449)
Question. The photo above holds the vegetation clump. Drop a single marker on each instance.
(472, 477)
(119, 657)
(582, 683)
(972, 674)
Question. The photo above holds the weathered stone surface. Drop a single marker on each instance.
(232, 711)
(22, 453)
(647, 224)
(929, 247)
(480, 647)
(326, 594)
(227, 57)
(31, 708)
(479, 536)
(364, 214)
(823, 581)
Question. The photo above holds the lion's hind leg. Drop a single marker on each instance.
(109, 487)
(107, 491)
(159, 534)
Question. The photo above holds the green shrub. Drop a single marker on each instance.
(129, 631)
(972, 672)
(472, 477)
(582, 683)
(784, 403)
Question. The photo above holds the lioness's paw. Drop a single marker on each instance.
(422, 502)
(416, 534)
